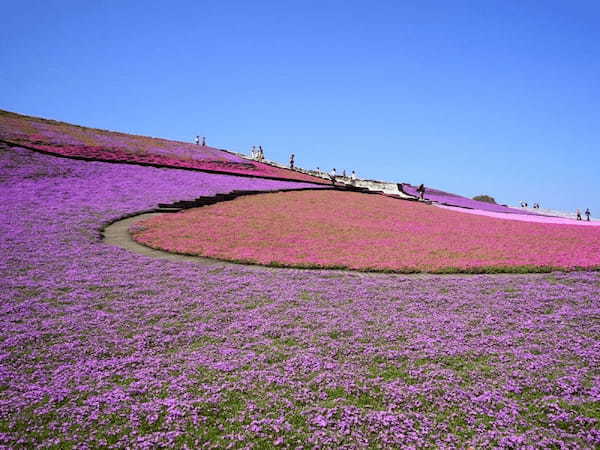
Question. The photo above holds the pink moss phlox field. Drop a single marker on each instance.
(104, 348)
(367, 232)
(71, 140)
(524, 217)
(446, 198)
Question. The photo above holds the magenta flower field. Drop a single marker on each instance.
(74, 141)
(104, 348)
(366, 232)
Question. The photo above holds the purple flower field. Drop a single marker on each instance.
(101, 347)
(445, 198)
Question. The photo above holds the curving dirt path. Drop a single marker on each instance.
(117, 234)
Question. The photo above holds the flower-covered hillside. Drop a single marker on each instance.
(369, 232)
(71, 140)
(103, 348)
(446, 198)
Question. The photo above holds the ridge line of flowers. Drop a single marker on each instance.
(446, 198)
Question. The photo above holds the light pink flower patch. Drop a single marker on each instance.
(368, 232)
(524, 217)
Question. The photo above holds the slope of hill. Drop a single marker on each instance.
(446, 198)
(69, 140)
(554, 213)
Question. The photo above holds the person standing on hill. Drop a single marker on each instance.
(578, 214)
(197, 140)
(203, 141)
(421, 191)
(292, 161)
(587, 213)
(332, 175)
(353, 176)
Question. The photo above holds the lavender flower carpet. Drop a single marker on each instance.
(100, 347)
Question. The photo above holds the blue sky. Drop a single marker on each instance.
(473, 97)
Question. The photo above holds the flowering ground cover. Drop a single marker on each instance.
(368, 232)
(100, 347)
(538, 218)
(446, 198)
(74, 141)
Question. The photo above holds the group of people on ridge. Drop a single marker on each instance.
(525, 205)
(577, 213)
(333, 175)
(587, 214)
(257, 153)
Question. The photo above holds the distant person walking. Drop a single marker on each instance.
(332, 175)
(353, 176)
(421, 191)
(292, 161)
(587, 214)
(253, 152)
(261, 153)
(203, 141)
(197, 140)
(578, 214)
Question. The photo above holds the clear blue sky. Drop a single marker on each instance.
(474, 97)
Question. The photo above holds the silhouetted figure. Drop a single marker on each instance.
(353, 176)
(421, 191)
(332, 175)
(578, 214)
(203, 141)
(587, 214)
(197, 140)
(292, 161)
(261, 153)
